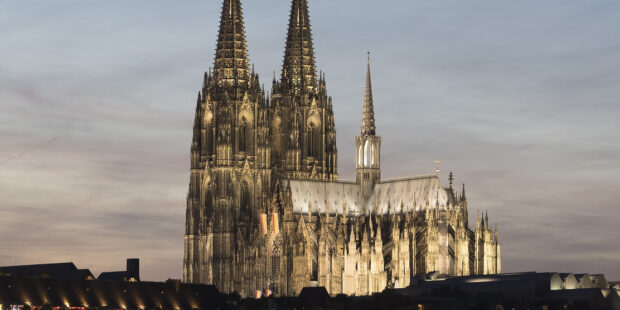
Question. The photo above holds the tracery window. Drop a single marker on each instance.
(245, 200)
(313, 141)
(275, 259)
(277, 137)
(245, 136)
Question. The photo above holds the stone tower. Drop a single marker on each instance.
(230, 159)
(303, 126)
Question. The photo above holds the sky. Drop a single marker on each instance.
(520, 99)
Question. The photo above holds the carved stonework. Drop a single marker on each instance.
(265, 209)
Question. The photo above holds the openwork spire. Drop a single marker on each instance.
(299, 66)
(231, 55)
(368, 117)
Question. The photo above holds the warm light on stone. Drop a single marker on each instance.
(266, 213)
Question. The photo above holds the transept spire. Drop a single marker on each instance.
(368, 145)
(299, 68)
(368, 116)
(231, 55)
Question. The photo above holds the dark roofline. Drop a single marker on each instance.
(40, 265)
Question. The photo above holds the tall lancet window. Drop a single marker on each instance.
(245, 138)
(366, 152)
(245, 200)
(314, 140)
(372, 154)
(209, 134)
(360, 156)
(275, 259)
(277, 137)
(311, 145)
(242, 137)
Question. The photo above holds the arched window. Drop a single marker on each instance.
(314, 275)
(277, 137)
(360, 156)
(372, 154)
(242, 131)
(275, 259)
(366, 152)
(245, 136)
(313, 140)
(209, 134)
(245, 200)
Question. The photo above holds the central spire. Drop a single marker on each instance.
(299, 65)
(231, 55)
(368, 116)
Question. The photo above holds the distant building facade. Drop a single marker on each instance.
(70, 271)
(53, 271)
(265, 209)
(20, 293)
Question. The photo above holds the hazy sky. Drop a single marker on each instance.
(521, 99)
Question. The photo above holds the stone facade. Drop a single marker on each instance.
(265, 210)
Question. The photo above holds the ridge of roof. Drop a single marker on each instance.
(321, 181)
(40, 265)
(417, 177)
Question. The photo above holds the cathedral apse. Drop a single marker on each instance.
(266, 212)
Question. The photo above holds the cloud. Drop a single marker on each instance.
(29, 150)
(518, 99)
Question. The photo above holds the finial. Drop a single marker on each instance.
(368, 59)
(451, 179)
(437, 161)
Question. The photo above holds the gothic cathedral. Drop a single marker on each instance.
(266, 213)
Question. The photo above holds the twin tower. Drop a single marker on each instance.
(266, 213)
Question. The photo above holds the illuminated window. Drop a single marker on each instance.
(366, 146)
(372, 154)
(359, 156)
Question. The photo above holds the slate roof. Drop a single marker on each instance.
(388, 196)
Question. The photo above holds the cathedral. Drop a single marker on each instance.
(266, 212)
